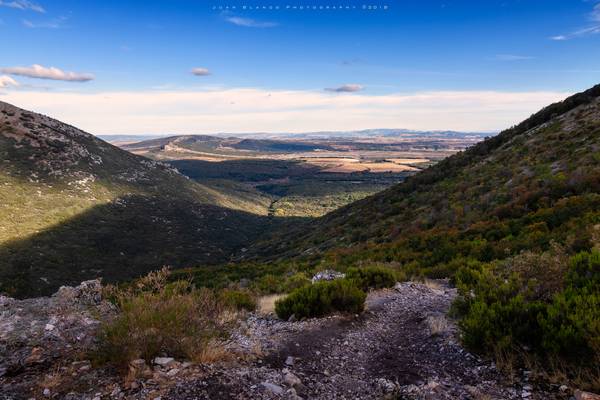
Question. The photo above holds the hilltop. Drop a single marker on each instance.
(75, 207)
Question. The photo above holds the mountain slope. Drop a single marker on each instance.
(536, 182)
(73, 207)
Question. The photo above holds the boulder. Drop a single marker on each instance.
(87, 293)
(163, 361)
(327, 275)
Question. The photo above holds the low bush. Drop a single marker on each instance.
(238, 299)
(159, 318)
(322, 298)
(509, 308)
(296, 281)
(372, 277)
(284, 283)
(269, 284)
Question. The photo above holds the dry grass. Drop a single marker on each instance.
(432, 284)
(554, 371)
(266, 304)
(53, 380)
(212, 351)
(437, 324)
(158, 318)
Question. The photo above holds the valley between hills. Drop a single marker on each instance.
(394, 265)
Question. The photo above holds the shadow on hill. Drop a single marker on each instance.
(245, 170)
(126, 239)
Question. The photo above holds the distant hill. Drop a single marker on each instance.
(186, 146)
(532, 184)
(365, 133)
(74, 207)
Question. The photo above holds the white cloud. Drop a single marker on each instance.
(348, 88)
(592, 30)
(40, 72)
(593, 16)
(7, 81)
(200, 71)
(239, 110)
(23, 5)
(56, 23)
(512, 57)
(250, 23)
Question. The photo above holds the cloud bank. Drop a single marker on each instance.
(239, 110)
(40, 72)
(349, 88)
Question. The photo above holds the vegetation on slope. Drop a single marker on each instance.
(294, 188)
(509, 214)
(74, 207)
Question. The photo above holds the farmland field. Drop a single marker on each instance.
(302, 175)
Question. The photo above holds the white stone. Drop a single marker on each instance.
(271, 387)
(163, 361)
(292, 380)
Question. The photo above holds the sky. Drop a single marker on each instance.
(201, 66)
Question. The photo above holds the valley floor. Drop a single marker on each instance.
(402, 347)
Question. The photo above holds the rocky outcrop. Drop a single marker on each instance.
(36, 334)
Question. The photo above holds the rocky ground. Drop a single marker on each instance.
(403, 347)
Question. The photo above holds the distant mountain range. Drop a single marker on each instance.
(367, 133)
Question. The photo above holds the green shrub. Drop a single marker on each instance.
(269, 284)
(282, 283)
(296, 281)
(238, 299)
(322, 298)
(510, 306)
(571, 326)
(371, 277)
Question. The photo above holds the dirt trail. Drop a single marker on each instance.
(402, 347)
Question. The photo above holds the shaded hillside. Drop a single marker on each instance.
(74, 207)
(533, 183)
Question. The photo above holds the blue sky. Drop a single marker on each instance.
(471, 65)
